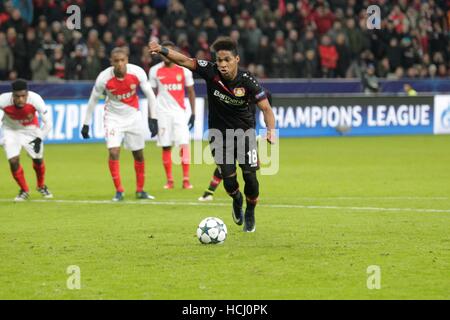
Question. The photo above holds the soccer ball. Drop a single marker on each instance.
(212, 230)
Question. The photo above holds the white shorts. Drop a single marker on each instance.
(173, 129)
(128, 130)
(14, 140)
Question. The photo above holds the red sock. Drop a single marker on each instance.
(185, 160)
(19, 176)
(40, 173)
(167, 162)
(214, 183)
(140, 175)
(114, 168)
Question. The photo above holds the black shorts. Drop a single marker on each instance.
(235, 146)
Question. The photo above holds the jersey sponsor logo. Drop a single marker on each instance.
(226, 99)
(127, 95)
(239, 92)
(202, 63)
(173, 86)
(25, 121)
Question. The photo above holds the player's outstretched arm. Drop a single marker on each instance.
(174, 56)
(269, 119)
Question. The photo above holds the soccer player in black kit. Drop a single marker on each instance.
(208, 194)
(231, 121)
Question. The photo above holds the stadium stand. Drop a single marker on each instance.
(277, 38)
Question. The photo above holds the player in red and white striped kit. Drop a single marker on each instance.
(123, 120)
(21, 129)
(170, 81)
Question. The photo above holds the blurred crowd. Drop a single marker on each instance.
(277, 38)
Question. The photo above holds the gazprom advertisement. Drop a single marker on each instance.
(356, 116)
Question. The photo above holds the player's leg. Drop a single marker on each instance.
(167, 163)
(223, 152)
(249, 164)
(38, 162)
(139, 167)
(114, 169)
(213, 184)
(251, 191)
(180, 136)
(114, 136)
(185, 155)
(231, 186)
(12, 146)
(164, 140)
(39, 168)
(134, 140)
(19, 175)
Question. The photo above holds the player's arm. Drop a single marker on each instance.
(44, 115)
(96, 93)
(151, 99)
(189, 83)
(269, 119)
(174, 56)
(153, 80)
(261, 98)
(1, 132)
(191, 97)
(146, 88)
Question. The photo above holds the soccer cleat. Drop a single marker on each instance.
(144, 195)
(187, 184)
(249, 221)
(45, 192)
(207, 196)
(118, 197)
(169, 185)
(237, 211)
(22, 196)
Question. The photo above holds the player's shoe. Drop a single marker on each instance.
(45, 192)
(207, 196)
(118, 197)
(169, 185)
(22, 196)
(249, 221)
(144, 195)
(237, 212)
(187, 184)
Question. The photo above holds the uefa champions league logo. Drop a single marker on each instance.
(445, 118)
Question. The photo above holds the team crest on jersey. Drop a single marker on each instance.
(202, 63)
(133, 86)
(179, 77)
(239, 92)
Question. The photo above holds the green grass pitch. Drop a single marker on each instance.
(336, 207)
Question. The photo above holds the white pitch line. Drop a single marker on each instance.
(374, 198)
(220, 204)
